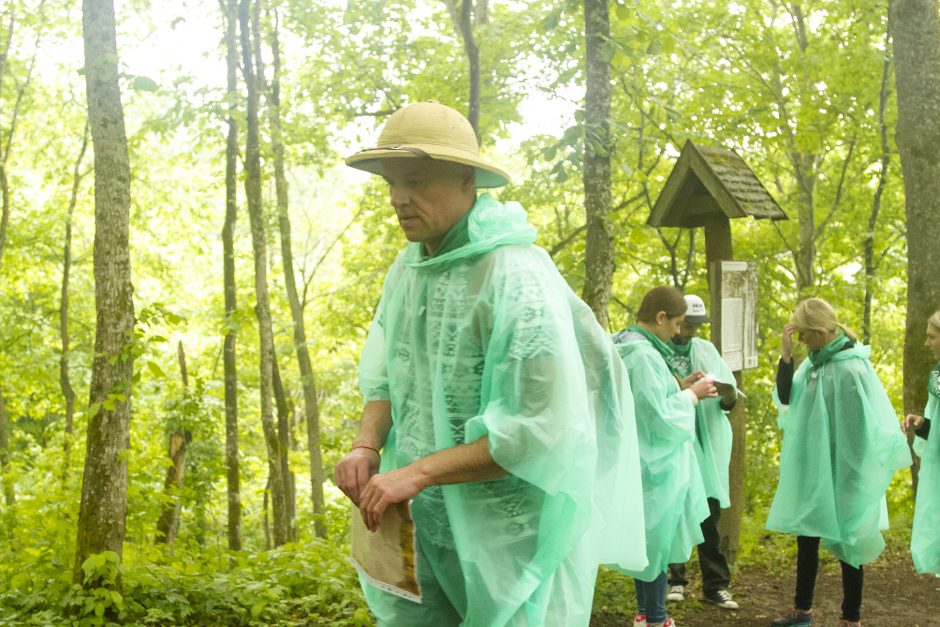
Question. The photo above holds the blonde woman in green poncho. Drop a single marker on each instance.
(495, 403)
(673, 494)
(925, 537)
(841, 446)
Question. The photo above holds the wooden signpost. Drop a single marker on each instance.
(707, 188)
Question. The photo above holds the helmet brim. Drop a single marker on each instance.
(487, 174)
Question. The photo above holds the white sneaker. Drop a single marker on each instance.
(676, 594)
(639, 621)
(721, 598)
(669, 623)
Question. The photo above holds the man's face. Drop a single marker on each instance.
(429, 197)
(687, 330)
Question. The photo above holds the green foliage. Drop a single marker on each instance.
(310, 584)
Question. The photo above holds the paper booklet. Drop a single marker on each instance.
(724, 388)
(388, 557)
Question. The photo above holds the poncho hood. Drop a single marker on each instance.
(628, 342)
(488, 225)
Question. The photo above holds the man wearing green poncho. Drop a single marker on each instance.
(712, 442)
(497, 401)
(841, 446)
(925, 537)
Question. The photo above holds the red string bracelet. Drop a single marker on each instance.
(368, 447)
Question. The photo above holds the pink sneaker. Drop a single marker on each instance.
(639, 620)
(669, 623)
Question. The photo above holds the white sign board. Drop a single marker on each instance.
(739, 314)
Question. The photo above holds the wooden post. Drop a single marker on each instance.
(717, 249)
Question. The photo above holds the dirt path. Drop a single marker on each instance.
(895, 596)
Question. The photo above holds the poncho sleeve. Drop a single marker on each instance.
(373, 369)
(534, 404)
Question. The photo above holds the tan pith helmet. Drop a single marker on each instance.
(433, 131)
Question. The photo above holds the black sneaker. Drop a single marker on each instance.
(794, 618)
(721, 598)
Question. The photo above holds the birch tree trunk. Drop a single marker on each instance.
(104, 486)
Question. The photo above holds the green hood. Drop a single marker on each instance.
(487, 226)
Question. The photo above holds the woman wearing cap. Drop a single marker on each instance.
(925, 541)
(673, 494)
(841, 446)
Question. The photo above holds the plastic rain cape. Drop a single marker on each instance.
(841, 446)
(925, 538)
(488, 339)
(713, 436)
(673, 495)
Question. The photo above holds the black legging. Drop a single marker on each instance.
(807, 565)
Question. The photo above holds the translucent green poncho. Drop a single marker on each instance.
(713, 435)
(925, 537)
(673, 495)
(486, 338)
(841, 446)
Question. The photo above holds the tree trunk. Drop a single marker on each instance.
(804, 169)
(599, 240)
(234, 531)
(915, 27)
(8, 492)
(473, 59)
(68, 394)
(871, 264)
(9, 495)
(168, 524)
(262, 308)
(284, 445)
(462, 14)
(283, 406)
(718, 248)
(307, 380)
(104, 486)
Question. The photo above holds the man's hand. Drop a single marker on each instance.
(354, 471)
(913, 422)
(786, 343)
(387, 489)
(691, 379)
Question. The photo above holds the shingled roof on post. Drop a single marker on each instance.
(708, 180)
